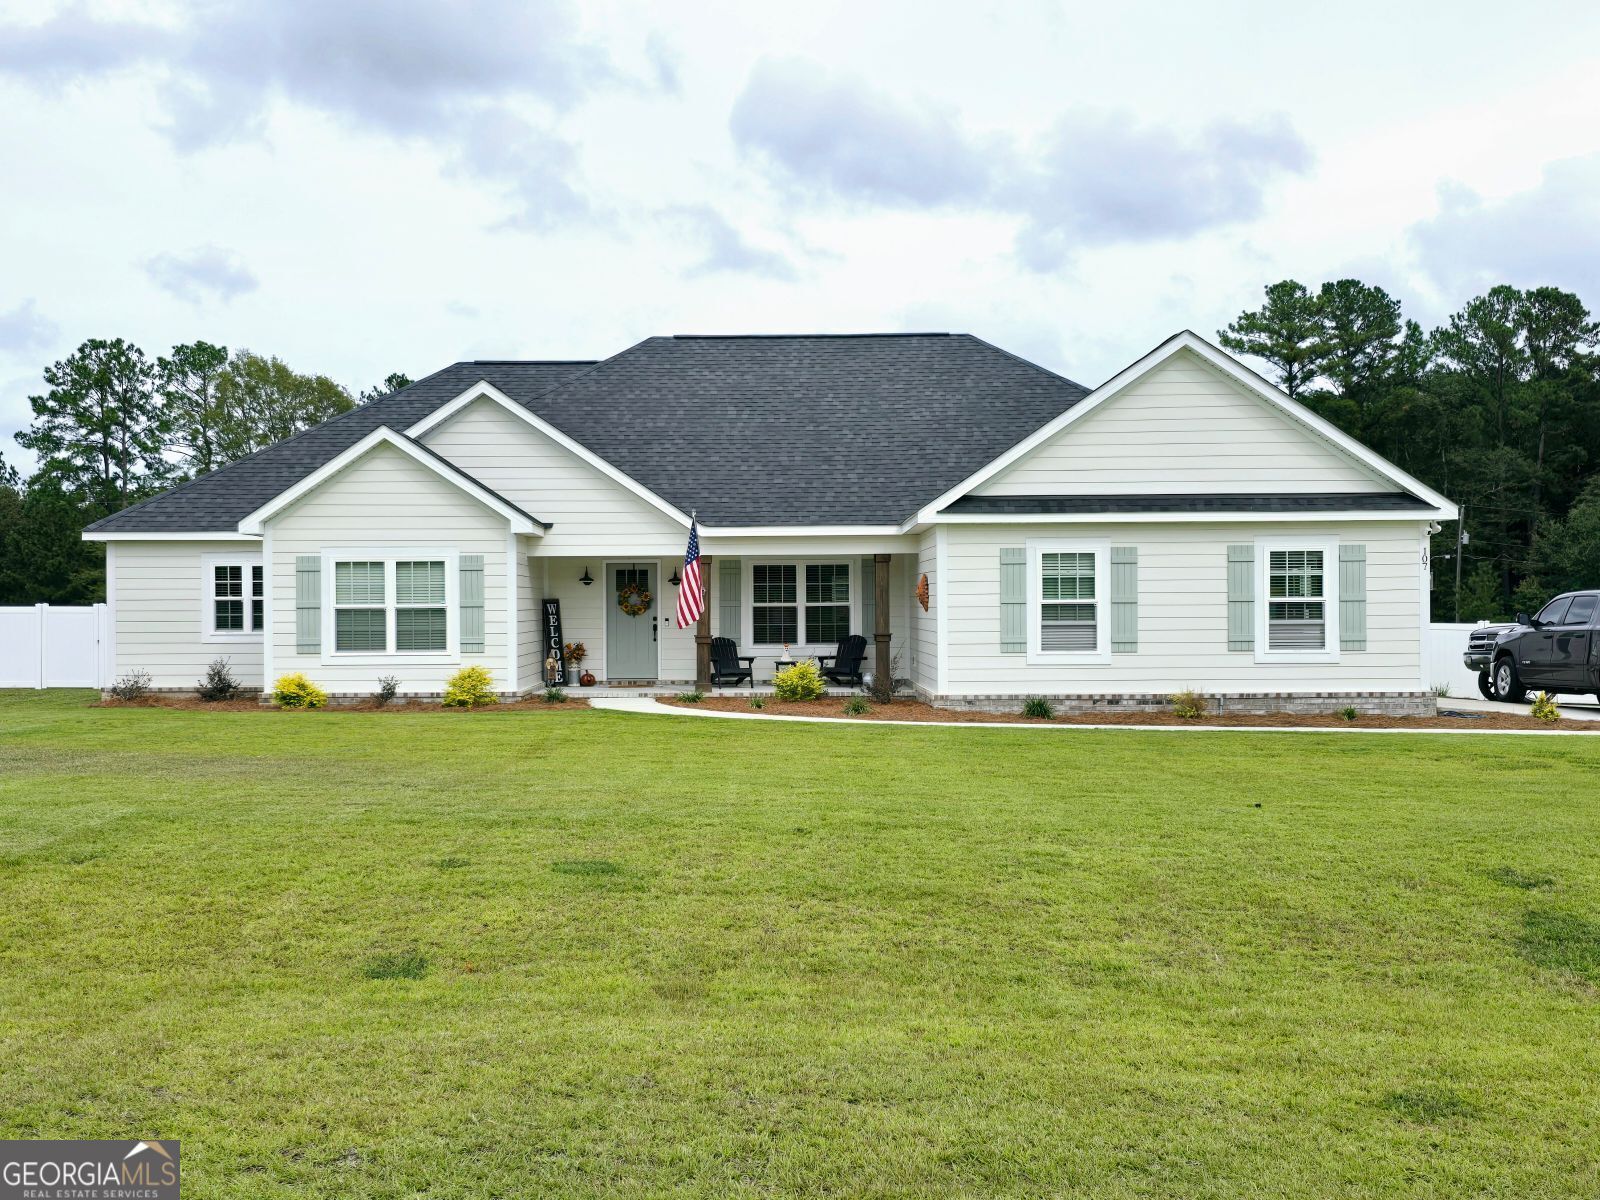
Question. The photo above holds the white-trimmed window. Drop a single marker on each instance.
(232, 598)
(1297, 599)
(1068, 615)
(801, 603)
(391, 605)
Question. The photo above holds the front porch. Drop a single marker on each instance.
(773, 606)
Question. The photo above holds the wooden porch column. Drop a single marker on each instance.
(882, 672)
(702, 630)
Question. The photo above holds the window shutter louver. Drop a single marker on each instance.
(1352, 597)
(1013, 601)
(869, 597)
(472, 604)
(730, 617)
(307, 604)
(1241, 597)
(1124, 599)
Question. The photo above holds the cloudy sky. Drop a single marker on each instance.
(363, 187)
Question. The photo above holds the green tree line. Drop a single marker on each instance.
(113, 427)
(1498, 408)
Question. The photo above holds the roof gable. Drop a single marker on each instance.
(1333, 451)
(381, 438)
(1184, 427)
(589, 504)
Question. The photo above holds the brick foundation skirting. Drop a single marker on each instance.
(1389, 704)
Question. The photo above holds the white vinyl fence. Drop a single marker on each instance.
(44, 647)
(1443, 645)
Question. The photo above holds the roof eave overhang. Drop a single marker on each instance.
(1148, 518)
(186, 535)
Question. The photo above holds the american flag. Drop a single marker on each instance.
(691, 600)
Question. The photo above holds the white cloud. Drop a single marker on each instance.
(1094, 178)
(25, 328)
(204, 273)
(1548, 234)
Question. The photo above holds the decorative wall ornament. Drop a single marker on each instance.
(922, 592)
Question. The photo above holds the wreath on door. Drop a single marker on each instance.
(634, 600)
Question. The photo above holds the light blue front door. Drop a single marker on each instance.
(630, 641)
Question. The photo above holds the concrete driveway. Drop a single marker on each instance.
(1573, 708)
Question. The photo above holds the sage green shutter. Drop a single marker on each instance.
(869, 597)
(1124, 599)
(307, 604)
(1241, 597)
(730, 617)
(1013, 601)
(472, 604)
(1352, 597)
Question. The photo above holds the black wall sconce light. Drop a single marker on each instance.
(675, 581)
(586, 579)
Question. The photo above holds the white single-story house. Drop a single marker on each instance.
(994, 530)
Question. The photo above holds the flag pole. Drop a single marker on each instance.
(702, 629)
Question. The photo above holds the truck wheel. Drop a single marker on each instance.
(1485, 689)
(1507, 686)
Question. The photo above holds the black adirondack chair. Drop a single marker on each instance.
(846, 664)
(729, 666)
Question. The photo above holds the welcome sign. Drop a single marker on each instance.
(555, 659)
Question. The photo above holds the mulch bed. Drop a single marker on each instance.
(252, 704)
(916, 710)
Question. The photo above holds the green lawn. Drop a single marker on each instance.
(593, 954)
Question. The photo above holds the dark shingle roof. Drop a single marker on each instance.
(804, 430)
(1236, 502)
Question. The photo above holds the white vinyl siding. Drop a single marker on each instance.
(924, 625)
(163, 595)
(1183, 614)
(387, 508)
(589, 513)
(1184, 427)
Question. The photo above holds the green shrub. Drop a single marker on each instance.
(1441, 690)
(1188, 703)
(1038, 708)
(803, 681)
(1545, 708)
(388, 689)
(296, 691)
(219, 683)
(470, 687)
(1349, 713)
(758, 701)
(693, 697)
(554, 695)
(135, 685)
(857, 706)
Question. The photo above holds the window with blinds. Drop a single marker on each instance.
(419, 624)
(788, 600)
(1296, 608)
(237, 607)
(1069, 609)
(360, 620)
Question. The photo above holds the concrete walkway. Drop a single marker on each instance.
(652, 707)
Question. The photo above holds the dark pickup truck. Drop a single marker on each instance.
(1557, 651)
